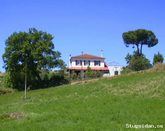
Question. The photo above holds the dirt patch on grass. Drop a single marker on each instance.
(13, 115)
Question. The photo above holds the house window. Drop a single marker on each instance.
(80, 62)
(89, 63)
(77, 62)
(85, 62)
(97, 63)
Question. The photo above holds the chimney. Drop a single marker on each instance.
(101, 53)
(70, 60)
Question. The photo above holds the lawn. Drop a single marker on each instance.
(106, 104)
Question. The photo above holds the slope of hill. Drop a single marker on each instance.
(105, 104)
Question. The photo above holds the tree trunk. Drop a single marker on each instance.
(25, 80)
(137, 49)
(141, 49)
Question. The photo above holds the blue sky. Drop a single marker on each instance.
(85, 25)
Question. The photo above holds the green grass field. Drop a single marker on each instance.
(102, 105)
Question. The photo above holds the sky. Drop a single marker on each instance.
(85, 25)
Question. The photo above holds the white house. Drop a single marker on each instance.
(80, 63)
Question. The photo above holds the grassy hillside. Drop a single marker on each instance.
(106, 104)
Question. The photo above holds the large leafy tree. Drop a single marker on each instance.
(138, 38)
(28, 53)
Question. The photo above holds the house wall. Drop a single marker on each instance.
(73, 62)
(112, 70)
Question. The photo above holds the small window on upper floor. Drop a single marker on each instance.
(80, 62)
(96, 63)
(77, 62)
(85, 63)
(89, 63)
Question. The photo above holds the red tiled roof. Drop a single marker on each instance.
(85, 68)
(88, 56)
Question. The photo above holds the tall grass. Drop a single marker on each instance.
(104, 104)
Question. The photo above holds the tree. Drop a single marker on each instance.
(128, 58)
(137, 63)
(27, 53)
(158, 58)
(138, 38)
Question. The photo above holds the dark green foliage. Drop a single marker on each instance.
(98, 74)
(158, 58)
(126, 70)
(128, 58)
(2, 80)
(92, 74)
(74, 76)
(58, 79)
(138, 62)
(29, 52)
(8, 80)
(89, 73)
(139, 38)
(49, 79)
(4, 90)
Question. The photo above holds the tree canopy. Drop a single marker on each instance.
(138, 38)
(30, 51)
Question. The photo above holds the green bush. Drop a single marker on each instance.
(3, 89)
(58, 79)
(92, 74)
(126, 70)
(8, 80)
(74, 76)
(89, 73)
(158, 58)
(47, 79)
(138, 62)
